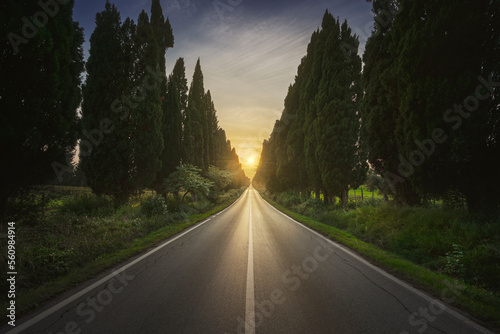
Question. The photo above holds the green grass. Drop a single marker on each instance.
(417, 245)
(356, 194)
(85, 237)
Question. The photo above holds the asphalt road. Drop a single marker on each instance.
(248, 269)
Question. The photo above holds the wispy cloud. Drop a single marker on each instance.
(248, 61)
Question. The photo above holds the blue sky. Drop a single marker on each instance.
(249, 53)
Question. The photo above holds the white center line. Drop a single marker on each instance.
(250, 297)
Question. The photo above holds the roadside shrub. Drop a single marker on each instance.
(89, 205)
(454, 262)
(49, 262)
(288, 199)
(154, 206)
(26, 206)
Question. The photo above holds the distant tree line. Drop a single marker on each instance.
(422, 112)
(157, 123)
(132, 123)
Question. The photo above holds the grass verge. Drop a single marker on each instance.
(479, 302)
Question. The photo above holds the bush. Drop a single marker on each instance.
(50, 262)
(154, 206)
(289, 199)
(89, 205)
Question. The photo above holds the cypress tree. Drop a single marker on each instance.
(296, 135)
(194, 121)
(171, 122)
(308, 95)
(39, 95)
(178, 76)
(437, 72)
(337, 109)
(172, 135)
(146, 137)
(379, 107)
(106, 155)
(212, 128)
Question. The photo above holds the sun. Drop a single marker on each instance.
(251, 160)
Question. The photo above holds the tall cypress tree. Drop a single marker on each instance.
(212, 128)
(308, 95)
(178, 76)
(377, 115)
(296, 135)
(194, 121)
(146, 137)
(337, 109)
(105, 150)
(172, 135)
(39, 95)
(171, 123)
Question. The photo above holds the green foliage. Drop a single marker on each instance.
(454, 262)
(154, 206)
(40, 93)
(194, 146)
(187, 179)
(49, 262)
(172, 134)
(220, 177)
(89, 205)
(106, 160)
(126, 90)
(25, 206)
(315, 144)
(420, 82)
(146, 137)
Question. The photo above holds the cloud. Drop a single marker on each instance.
(249, 60)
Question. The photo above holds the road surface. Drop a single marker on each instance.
(248, 269)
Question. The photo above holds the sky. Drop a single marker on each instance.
(249, 52)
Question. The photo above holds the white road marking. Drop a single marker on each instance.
(250, 296)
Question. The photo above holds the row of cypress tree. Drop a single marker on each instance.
(134, 125)
(153, 123)
(421, 110)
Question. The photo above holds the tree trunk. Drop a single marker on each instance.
(482, 204)
(362, 199)
(344, 198)
(406, 195)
